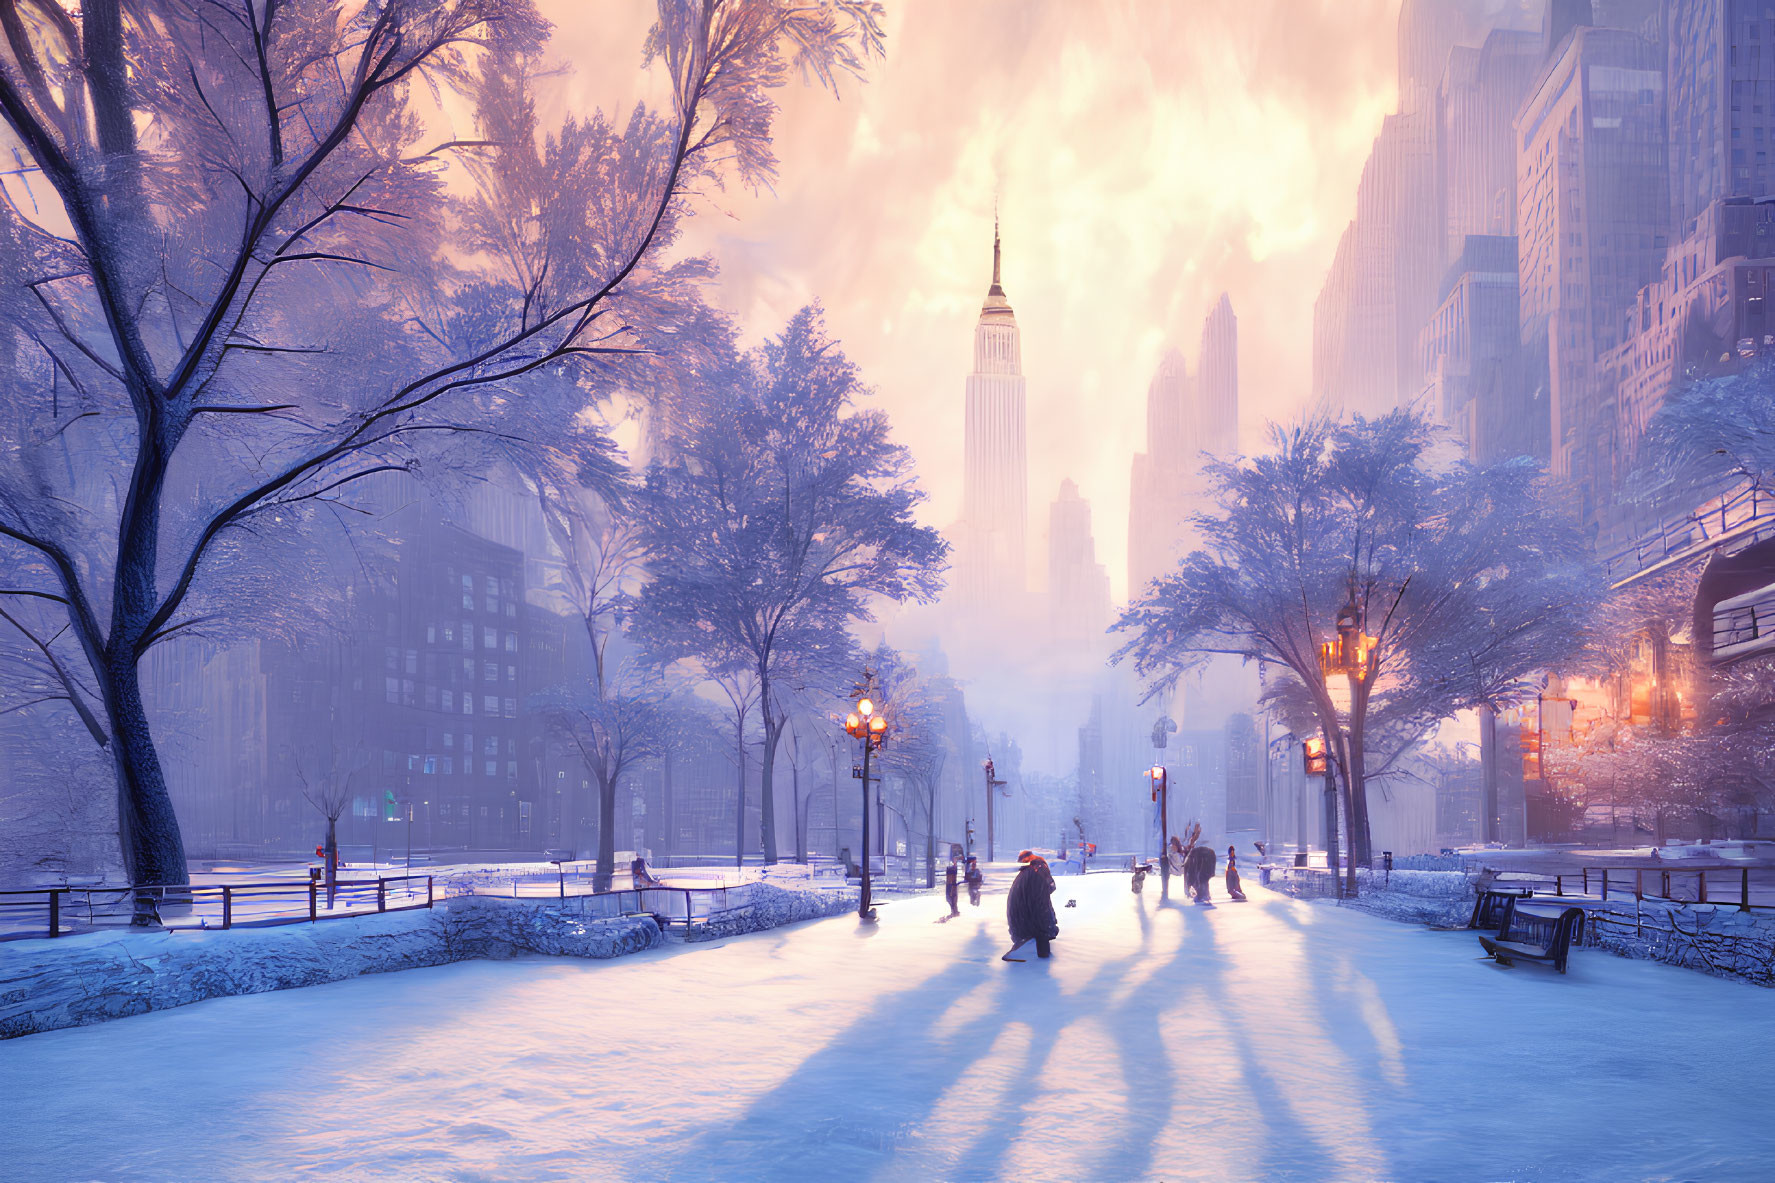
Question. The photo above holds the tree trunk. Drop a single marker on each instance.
(767, 764)
(1360, 841)
(930, 834)
(603, 877)
(332, 858)
(148, 829)
(1351, 796)
(668, 823)
(1488, 773)
(795, 795)
(739, 826)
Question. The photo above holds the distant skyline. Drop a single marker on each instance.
(1145, 157)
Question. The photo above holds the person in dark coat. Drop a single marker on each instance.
(1233, 887)
(951, 889)
(1029, 911)
(975, 879)
(1198, 869)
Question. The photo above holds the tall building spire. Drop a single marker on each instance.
(996, 306)
(997, 287)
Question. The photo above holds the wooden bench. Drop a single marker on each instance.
(1530, 936)
(1493, 905)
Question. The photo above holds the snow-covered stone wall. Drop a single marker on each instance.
(1441, 899)
(90, 978)
(1713, 938)
(757, 906)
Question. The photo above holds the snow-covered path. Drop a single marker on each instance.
(1269, 1040)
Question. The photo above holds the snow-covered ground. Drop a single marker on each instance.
(1269, 1040)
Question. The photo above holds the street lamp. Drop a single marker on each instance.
(993, 785)
(1350, 655)
(868, 727)
(1161, 786)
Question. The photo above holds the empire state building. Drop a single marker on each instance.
(995, 490)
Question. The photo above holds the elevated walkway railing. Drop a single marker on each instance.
(1737, 518)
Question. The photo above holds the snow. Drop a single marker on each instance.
(1276, 1039)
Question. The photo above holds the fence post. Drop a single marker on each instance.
(1664, 884)
(1639, 883)
(1702, 890)
(227, 906)
(1744, 888)
(55, 913)
(381, 894)
(1605, 884)
(1558, 885)
(428, 891)
(311, 916)
(1586, 873)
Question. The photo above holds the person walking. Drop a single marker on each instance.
(1029, 910)
(951, 889)
(975, 879)
(1233, 887)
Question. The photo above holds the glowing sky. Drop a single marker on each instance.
(1146, 155)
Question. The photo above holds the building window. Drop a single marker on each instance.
(511, 673)
(491, 769)
(449, 700)
(393, 688)
(511, 708)
(489, 638)
(468, 635)
(449, 765)
(511, 642)
(490, 671)
(431, 765)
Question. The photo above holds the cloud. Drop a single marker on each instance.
(1146, 155)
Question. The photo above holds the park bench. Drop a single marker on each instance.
(1532, 936)
(1493, 903)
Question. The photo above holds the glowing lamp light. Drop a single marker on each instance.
(1314, 755)
(1155, 772)
(865, 708)
(878, 725)
(852, 722)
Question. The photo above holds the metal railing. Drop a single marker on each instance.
(59, 910)
(1746, 513)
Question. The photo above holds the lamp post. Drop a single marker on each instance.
(1161, 786)
(1315, 754)
(865, 725)
(1350, 655)
(993, 785)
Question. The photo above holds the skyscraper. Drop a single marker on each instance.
(995, 482)
(1721, 65)
(1592, 220)
(1381, 288)
(1214, 423)
(1078, 586)
(1186, 417)
(1475, 153)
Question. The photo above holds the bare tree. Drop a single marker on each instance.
(240, 297)
(331, 794)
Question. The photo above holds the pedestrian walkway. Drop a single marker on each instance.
(1271, 1040)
